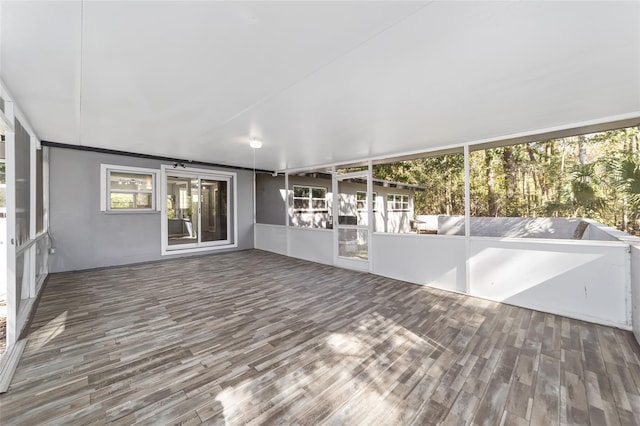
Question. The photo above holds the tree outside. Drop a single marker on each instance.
(593, 176)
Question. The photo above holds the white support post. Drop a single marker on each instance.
(467, 218)
(286, 210)
(254, 203)
(254, 199)
(336, 212)
(370, 215)
(13, 298)
(45, 187)
(286, 198)
(467, 193)
(254, 196)
(33, 145)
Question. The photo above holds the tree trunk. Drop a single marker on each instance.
(525, 192)
(625, 219)
(534, 177)
(511, 180)
(582, 150)
(492, 208)
(562, 166)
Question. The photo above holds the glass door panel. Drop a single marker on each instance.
(182, 210)
(197, 210)
(214, 210)
(352, 225)
(353, 243)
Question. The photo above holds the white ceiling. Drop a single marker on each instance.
(318, 82)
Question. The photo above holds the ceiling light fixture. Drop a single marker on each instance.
(255, 143)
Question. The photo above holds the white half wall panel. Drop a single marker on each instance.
(315, 245)
(437, 261)
(271, 238)
(635, 288)
(583, 280)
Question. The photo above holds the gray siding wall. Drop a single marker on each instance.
(270, 208)
(86, 237)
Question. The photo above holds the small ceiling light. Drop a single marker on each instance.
(255, 143)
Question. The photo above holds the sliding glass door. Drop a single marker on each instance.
(182, 213)
(197, 210)
(214, 204)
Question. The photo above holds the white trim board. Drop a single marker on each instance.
(231, 177)
(105, 168)
(9, 362)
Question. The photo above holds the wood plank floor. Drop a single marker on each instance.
(256, 338)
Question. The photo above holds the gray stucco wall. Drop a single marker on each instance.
(86, 237)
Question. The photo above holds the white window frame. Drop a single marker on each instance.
(375, 201)
(230, 177)
(393, 202)
(310, 199)
(105, 188)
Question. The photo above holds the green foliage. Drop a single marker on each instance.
(442, 177)
(623, 172)
(595, 176)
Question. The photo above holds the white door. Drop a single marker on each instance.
(352, 233)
